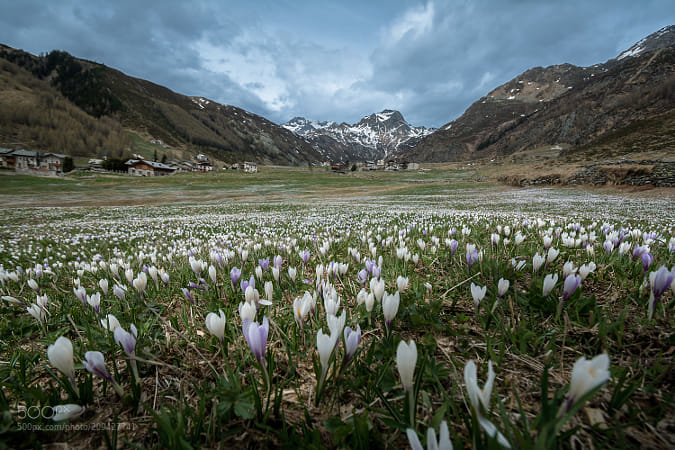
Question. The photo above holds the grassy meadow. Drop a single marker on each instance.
(305, 309)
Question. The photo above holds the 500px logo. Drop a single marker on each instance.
(57, 412)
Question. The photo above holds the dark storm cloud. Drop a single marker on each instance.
(333, 61)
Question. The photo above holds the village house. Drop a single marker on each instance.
(144, 168)
(7, 158)
(204, 164)
(250, 167)
(31, 161)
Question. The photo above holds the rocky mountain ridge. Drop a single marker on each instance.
(375, 136)
(563, 105)
(200, 125)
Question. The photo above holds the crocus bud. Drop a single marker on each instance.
(401, 283)
(549, 283)
(81, 294)
(247, 311)
(215, 323)
(256, 336)
(119, 292)
(570, 285)
(390, 307)
(478, 293)
(140, 283)
(552, 255)
(103, 284)
(95, 363)
(164, 276)
(325, 344)
(60, 355)
(292, 273)
(406, 359)
(537, 262)
(370, 301)
(352, 339)
(152, 271)
(212, 274)
(235, 274)
(125, 339)
(502, 287)
(68, 411)
(33, 285)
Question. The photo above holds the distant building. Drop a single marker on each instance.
(32, 161)
(7, 158)
(144, 168)
(95, 165)
(339, 167)
(203, 163)
(250, 167)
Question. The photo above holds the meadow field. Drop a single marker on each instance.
(304, 309)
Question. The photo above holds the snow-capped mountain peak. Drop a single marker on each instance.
(374, 137)
(302, 126)
(665, 37)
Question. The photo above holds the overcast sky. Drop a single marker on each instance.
(337, 60)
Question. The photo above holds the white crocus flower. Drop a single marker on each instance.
(110, 322)
(443, 442)
(401, 283)
(478, 396)
(247, 310)
(215, 323)
(406, 359)
(60, 355)
(549, 283)
(478, 293)
(586, 376)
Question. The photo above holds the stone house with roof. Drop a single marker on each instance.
(144, 168)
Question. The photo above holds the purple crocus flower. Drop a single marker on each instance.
(193, 285)
(188, 295)
(235, 274)
(608, 246)
(95, 363)
(81, 294)
(256, 336)
(570, 285)
(246, 283)
(125, 339)
(352, 339)
(647, 260)
(638, 251)
(369, 265)
(220, 259)
(453, 247)
(363, 276)
(278, 261)
(305, 256)
(264, 263)
(377, 271)
(662, 281)
(471, 257)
